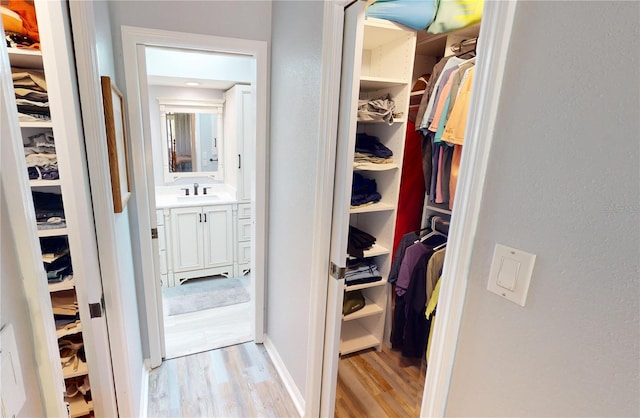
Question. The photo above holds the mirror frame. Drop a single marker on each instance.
(168, 105)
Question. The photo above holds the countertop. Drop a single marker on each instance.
(165, 201)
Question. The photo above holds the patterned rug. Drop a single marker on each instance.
(205, 293)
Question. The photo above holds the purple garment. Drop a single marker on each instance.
(416, 258)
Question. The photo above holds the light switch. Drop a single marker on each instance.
(510, 275)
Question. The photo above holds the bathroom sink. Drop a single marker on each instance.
(203, 197)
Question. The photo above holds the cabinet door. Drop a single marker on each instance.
(218, 235)
(187, 248)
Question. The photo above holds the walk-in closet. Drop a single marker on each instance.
(38, 42)
(401, 132)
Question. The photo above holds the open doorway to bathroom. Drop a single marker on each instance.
(201, 123)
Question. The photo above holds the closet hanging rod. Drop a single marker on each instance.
(460, 45)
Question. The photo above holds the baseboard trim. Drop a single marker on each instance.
(144, 390)
(289, 384)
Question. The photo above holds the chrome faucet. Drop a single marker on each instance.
(195, 189)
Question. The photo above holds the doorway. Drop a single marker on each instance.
(495, 32)
(205, 199)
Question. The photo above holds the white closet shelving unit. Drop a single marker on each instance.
(32, 60)
(387, 64)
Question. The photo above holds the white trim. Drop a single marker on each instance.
(25, 239)
(85, 44)
(287, 379)
(144, 391)
(333, 19)
(132, 36)
(495, 33)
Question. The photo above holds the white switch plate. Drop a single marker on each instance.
(13, 395)
(510, 275)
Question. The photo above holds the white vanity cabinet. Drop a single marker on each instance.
(201, 241)
(243, 234)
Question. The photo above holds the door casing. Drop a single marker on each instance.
(142, 174)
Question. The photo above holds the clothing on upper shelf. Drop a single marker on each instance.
(20, 24)
(363, 191)
(358, 242)
(378, 109)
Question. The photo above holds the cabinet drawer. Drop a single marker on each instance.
(159, 217)
(244, 252)
(163, 262)
(162, 241)
(244, 229)
(244, 210)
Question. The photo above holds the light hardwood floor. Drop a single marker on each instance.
(207, 329)
(236, 381)
(379, 384)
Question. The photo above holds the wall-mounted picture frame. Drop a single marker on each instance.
(114, 112)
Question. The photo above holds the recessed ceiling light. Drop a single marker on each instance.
(192, 83)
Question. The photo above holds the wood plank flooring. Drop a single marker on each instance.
(236, 381)
(379, 384)
(207, 329)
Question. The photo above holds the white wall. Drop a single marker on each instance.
(239, 19)
(234, 19)
(154, 117)
(14, 311)
(562, 182)
(295, 106)
(127, 375)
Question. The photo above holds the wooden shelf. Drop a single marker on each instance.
(67, 284)
(377, 83)
(69, 331)
(374, 207)
(395, 120)
(434, 207)
(370, 308)
(44, 183)
(67, 371)
(374, 167)
(355, 338)
(376, 250)
(56, 232)
(25, 58)
(365, 285)
(46, 124)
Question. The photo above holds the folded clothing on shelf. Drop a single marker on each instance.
(361, 271)
(49, 210)
(363, 191)
(358, 242)
(30, 90)
(56, 258)
(371, 145)
(40, 154)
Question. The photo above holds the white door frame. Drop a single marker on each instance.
(495, 35)
(141, 151)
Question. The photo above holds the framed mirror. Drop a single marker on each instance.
(192, 138)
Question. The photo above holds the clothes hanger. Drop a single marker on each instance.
(434, 229)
